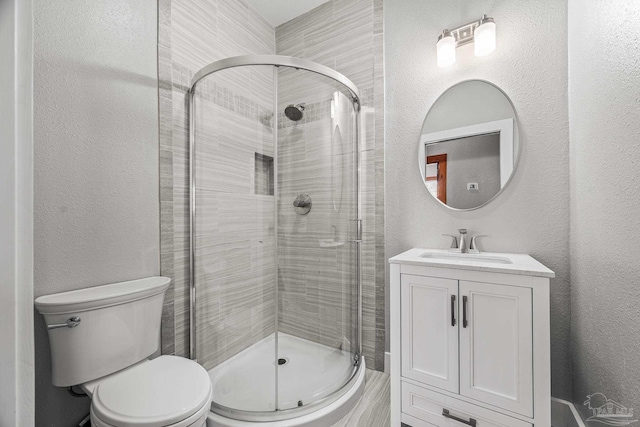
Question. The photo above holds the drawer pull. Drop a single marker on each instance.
(471, 422)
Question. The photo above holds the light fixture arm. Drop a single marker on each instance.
(465, 33)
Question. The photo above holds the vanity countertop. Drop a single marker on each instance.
(520, 264)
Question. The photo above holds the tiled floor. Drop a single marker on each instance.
(373, 409)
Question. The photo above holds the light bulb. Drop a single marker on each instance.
(446, 49)
(484, 37)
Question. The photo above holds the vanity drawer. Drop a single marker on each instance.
(428, 406)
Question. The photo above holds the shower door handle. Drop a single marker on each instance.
(358, 238)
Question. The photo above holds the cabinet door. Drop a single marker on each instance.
(430, 331)
(496, 345)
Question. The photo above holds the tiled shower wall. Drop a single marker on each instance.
(344, 35)
(347, 35)
(316, 275)
(192, 34)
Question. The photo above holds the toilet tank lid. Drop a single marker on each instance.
(101, 296)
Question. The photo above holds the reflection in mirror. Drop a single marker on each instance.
(468, 145)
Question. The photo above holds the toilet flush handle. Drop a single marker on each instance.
(71, 323)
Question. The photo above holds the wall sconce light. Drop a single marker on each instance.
(481, 32)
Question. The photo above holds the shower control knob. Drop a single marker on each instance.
(302, 204)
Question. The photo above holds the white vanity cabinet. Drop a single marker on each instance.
(467, 334)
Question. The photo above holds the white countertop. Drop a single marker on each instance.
(520, 264)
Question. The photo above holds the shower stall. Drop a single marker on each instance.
(275, 239)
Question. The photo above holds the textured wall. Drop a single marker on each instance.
(530, 65)
(604, 94)
(348, 37)
(96, 160)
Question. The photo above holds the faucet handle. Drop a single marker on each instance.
(473, 247)
(462, 230)
(454, 241)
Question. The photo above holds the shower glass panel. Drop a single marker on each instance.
(234, 235)
(276, 296)
(316, 274)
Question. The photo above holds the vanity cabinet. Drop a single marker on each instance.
(466, 339)
(430, 341)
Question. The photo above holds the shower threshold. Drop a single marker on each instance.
(313, 371)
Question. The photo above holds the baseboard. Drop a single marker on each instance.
(564, 414)
(387, 362)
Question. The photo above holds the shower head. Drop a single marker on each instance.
(294, 112)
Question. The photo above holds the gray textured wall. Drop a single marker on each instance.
(530, 65)
(96, 160)
(604, 93)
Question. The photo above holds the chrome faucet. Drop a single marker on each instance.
(463, 241)
(462, 247)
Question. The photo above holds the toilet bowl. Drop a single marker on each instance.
(101, 339)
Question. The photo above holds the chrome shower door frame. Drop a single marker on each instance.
(301, 64)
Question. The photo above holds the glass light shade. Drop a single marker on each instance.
(446, 51)
(484, 39)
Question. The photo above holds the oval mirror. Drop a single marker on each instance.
(469, 145)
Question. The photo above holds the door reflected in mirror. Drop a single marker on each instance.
(468, 145)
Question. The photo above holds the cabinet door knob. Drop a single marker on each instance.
(464, 311)
(453, 310)
(471, 422)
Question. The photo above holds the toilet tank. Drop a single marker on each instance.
(119, 326)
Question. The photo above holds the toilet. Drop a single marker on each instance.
(101, 339)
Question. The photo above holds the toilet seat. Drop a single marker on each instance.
(167, 391)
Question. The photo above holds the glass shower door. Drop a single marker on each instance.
(235, 236)
(275, 239)
(317, 255)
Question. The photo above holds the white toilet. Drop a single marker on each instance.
(101, 339)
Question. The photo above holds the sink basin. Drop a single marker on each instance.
(485, 259)
(495, 262)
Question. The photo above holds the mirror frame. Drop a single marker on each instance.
(516, 162)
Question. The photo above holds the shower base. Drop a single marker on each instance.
(308, 373)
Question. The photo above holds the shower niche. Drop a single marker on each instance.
(263, 175)
(276, 301)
